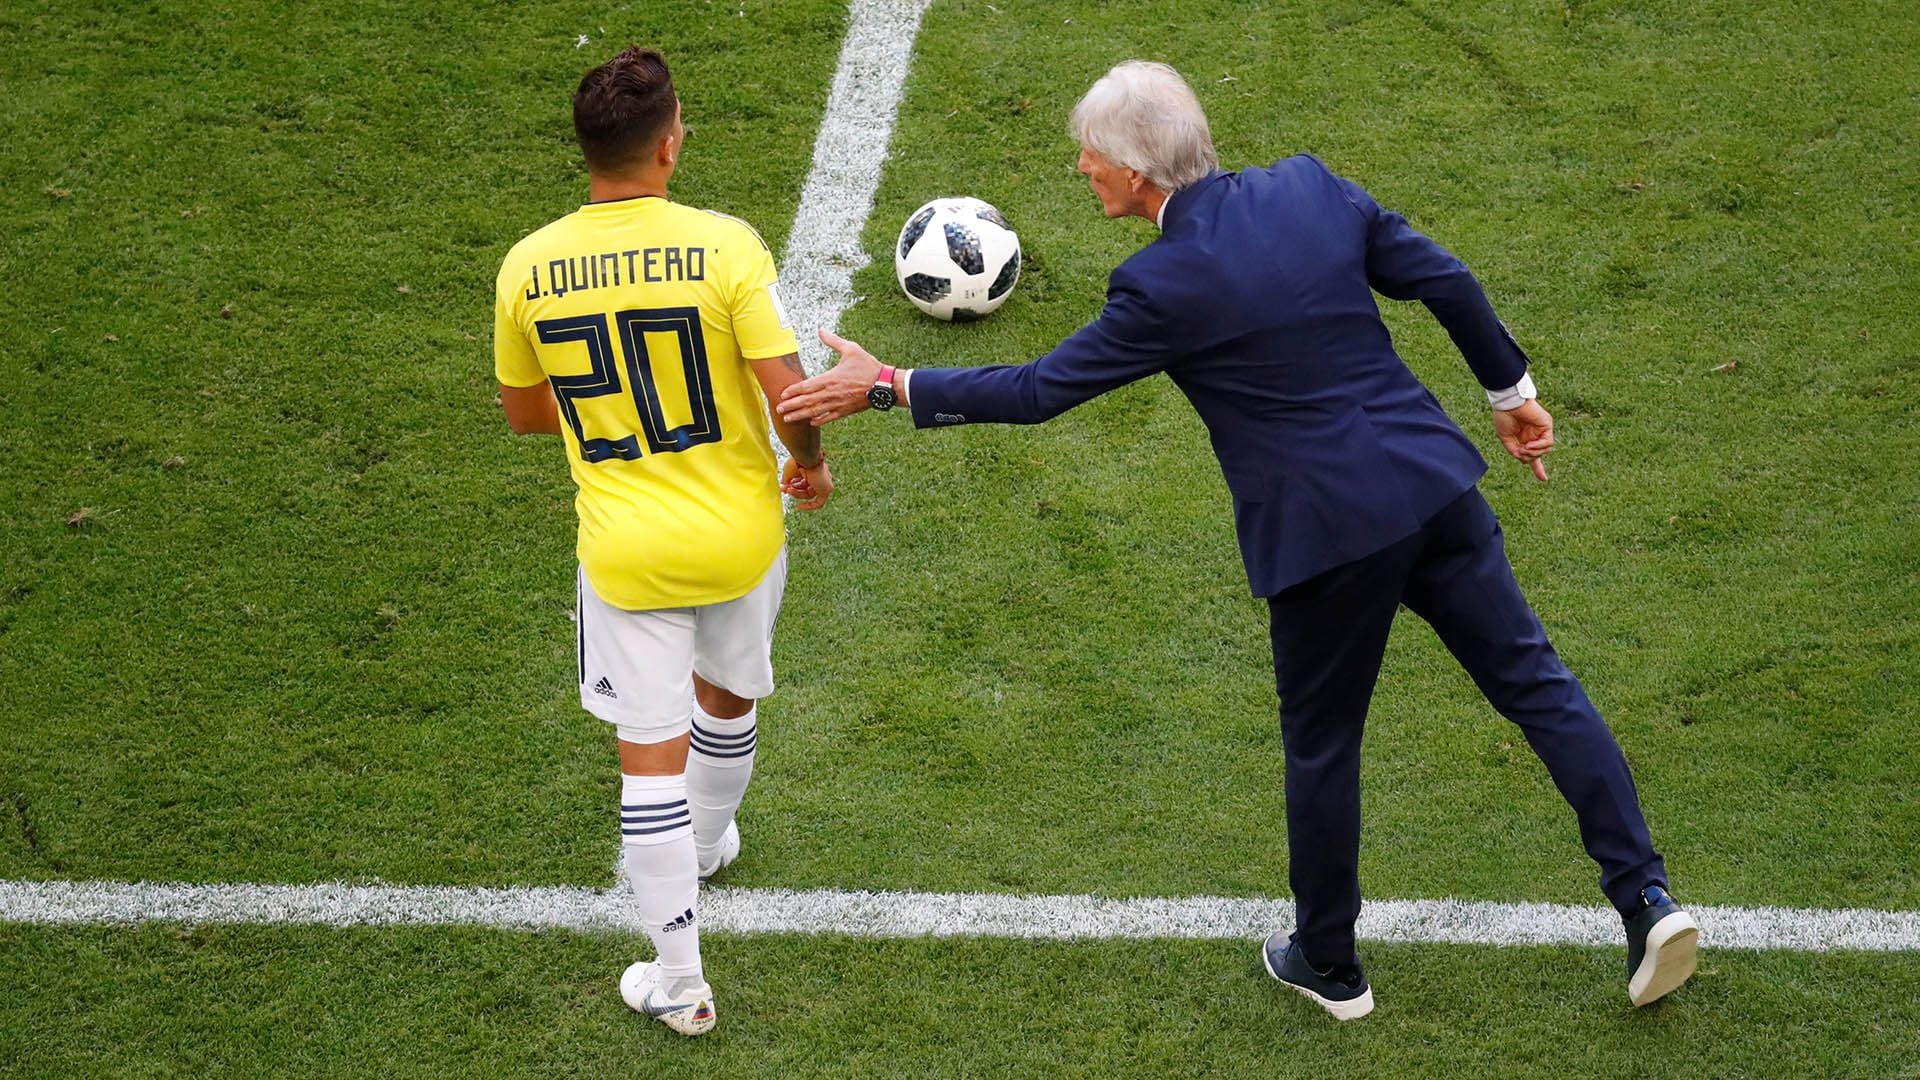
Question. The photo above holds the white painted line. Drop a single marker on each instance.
(911, 915)
(823, 250)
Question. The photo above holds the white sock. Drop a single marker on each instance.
(719, 765)
(656, 838)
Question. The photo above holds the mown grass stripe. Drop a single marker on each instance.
(909, 914)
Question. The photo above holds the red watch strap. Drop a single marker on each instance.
(885, 378)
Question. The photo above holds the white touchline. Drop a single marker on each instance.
(912, 915)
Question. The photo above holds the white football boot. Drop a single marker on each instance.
(689, 1012)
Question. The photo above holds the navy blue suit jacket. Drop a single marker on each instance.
(1257, 300)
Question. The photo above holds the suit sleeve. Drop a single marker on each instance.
(1126, 343)
(1404, 264)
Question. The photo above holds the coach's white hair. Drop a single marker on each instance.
(1143, 116)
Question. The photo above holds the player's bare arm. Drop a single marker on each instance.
(806, 476)
(531, 410)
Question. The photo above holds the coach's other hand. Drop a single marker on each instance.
(835, 393)
(1527, 433)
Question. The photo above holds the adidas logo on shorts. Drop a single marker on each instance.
(680, 922)
(606, 688)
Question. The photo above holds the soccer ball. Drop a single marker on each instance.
(957, 259)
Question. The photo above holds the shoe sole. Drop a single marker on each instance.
(1352, 1009)
(1672, 954)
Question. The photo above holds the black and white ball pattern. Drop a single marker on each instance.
(957, 259)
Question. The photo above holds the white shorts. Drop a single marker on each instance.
(637, 667)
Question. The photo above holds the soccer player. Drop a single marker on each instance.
(646, 334)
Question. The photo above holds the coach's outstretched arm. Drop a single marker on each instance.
(1124, 344)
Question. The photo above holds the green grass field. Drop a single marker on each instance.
(282, 601)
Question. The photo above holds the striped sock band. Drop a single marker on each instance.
(653, 822)
(724, 740)
(719, 767)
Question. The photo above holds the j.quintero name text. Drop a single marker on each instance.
(610, 269)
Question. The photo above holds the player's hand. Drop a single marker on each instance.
(1527, 433)
(835, 393)
(808, 487)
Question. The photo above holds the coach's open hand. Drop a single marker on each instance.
(836, 393)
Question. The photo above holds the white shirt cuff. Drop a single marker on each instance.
(906, 382)
(1513, 397)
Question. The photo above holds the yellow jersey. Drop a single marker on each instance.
(643, 315)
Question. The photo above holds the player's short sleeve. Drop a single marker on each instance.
(761, 323)
(513, 361)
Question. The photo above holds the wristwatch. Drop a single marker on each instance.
(880, 396)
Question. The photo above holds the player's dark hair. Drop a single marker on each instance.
(622, 108)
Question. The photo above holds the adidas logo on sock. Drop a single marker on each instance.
(680, 922)
(606, 688)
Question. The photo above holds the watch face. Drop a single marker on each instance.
(880, 397)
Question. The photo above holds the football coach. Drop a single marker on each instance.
(1353, 491)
